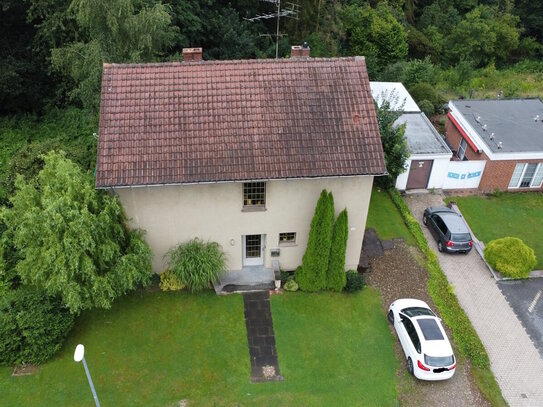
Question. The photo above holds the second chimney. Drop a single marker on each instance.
(300, 51)
(192, 54)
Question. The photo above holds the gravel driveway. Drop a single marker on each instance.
(514, 360)
(398, 274)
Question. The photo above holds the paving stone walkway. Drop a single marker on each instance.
(514, 359)
(261, 338)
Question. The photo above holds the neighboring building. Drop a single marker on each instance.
(429, 155)
(506, 134)
(238, 152)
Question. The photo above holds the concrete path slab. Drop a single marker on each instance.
(514, 359)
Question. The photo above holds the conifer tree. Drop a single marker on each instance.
(336, 277)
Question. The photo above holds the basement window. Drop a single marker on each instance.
(254, 194)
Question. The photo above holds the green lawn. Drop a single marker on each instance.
(384, 217)
(510, 214)
(155, 349)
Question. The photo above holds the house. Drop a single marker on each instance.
(429, 155)
(238, 152)
(505, 134)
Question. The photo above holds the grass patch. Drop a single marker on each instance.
(509, 214)
(154, 349)
(383, 216)
(486, 382)
(464, 334)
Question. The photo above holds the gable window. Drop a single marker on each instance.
(254, 194)
(527, 176)
(287, 238)
(461, 153)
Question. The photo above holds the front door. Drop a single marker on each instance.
(419, 174)
(253, 250)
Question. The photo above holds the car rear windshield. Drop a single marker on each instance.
(417, 312)
(430, 329)
(460, 237)
(438, 361)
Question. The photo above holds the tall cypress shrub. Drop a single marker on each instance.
(312, 275)
(336, 277)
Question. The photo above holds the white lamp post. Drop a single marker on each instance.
(79, 355)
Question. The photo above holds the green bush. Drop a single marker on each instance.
(427, 107)
(464, 334)
(335, 278)
(511, 257)
(425, 91)
(355, 281)
(33, 326)
(170, 282)
(197, 264)
(312, 276)
(291, 285)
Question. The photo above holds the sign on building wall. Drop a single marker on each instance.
(464, 174)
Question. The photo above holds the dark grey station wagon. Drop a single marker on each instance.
(449, 229)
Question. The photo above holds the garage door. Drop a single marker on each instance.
(419, 174)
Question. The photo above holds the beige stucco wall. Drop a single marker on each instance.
(174, 214)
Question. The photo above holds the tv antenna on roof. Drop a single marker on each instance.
(291, 11)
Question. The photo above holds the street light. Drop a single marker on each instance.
(79, 355)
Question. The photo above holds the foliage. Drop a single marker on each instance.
(511, 257)
(374, 33)
(196, 264)
(170, 282)
(71, 239)
(394, 144)
(452, 313)
(114, 31)
(354, 281)
(291, 285)
(284, 275)
(312, 275)
(335, 276)
(427, 107)
(33, 326)
(425, 91)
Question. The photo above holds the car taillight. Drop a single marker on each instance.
(421, 366)
(470, 243)
(449, 243)
(453, 367)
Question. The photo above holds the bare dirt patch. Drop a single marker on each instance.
(399, 274)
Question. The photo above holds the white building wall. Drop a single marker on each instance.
(174, 214)
(438, 173)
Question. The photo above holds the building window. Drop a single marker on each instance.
(287, 238)
(462, 149)
(527, 176)
(254, 194)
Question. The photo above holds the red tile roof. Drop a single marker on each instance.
(188, 122)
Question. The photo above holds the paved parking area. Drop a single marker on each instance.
(526, 299)
(514, 359)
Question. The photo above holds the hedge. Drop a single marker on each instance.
(464, 334)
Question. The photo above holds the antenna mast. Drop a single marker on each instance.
(291, 11)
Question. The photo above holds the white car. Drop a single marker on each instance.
(427, 350)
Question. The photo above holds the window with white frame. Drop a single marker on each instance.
(254, 194)
(462, 149)
(287, 238)
(527, 175)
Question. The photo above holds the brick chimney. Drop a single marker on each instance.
(192, 54)
(300, 51)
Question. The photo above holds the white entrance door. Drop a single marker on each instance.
(253, 250)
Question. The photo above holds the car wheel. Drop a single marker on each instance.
(390, 317)
(410, 366)
(425, 220)
(440, 246)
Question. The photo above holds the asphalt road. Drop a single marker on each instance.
(526, 300)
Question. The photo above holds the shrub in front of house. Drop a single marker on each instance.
(33, 326)
(511, 257)
(291, 285)
(197, 264)
(170, 282)
(355, 281)
(312, 275)
(336, 278)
